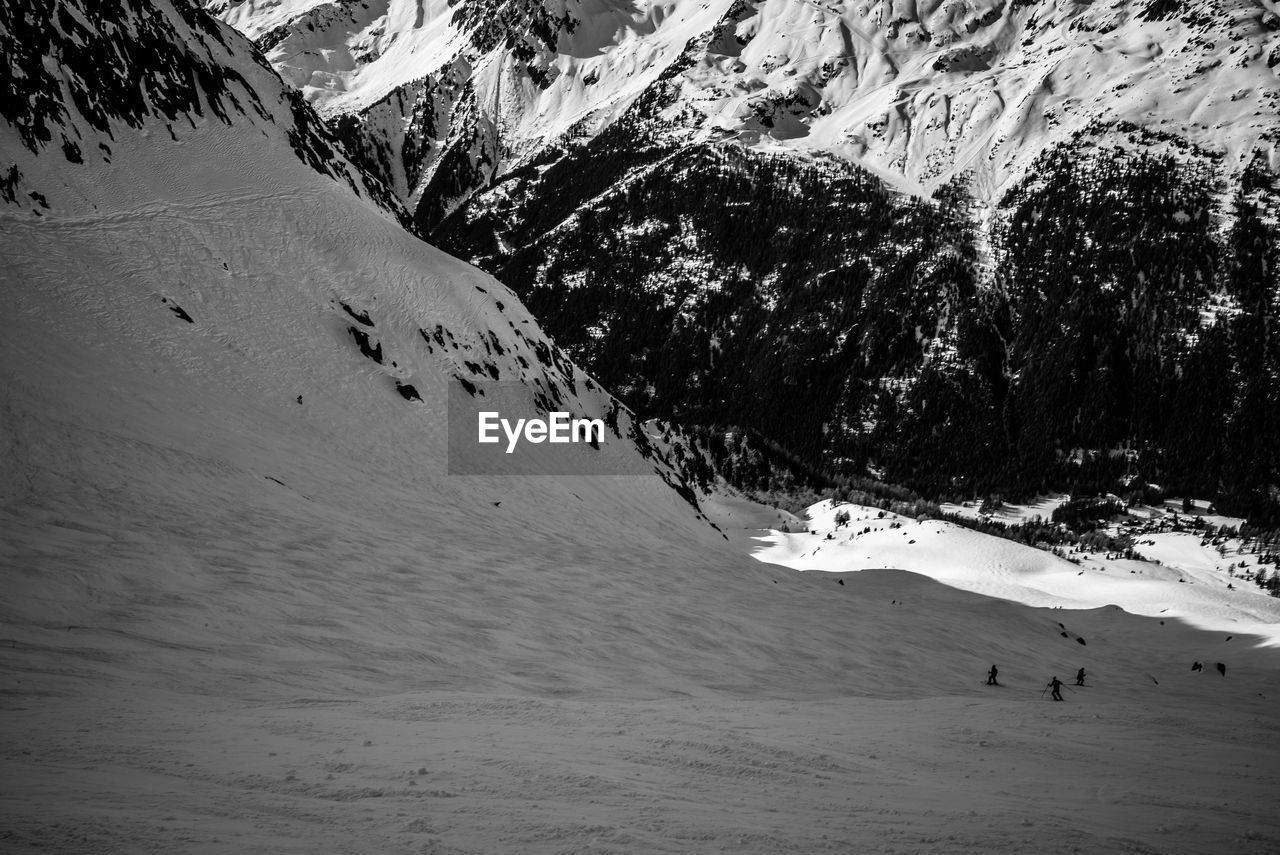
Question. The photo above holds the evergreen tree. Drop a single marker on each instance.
(1251, 441)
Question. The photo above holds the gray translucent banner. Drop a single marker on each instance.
(507, 428)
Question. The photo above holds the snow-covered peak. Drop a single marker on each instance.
(344, 51)
(918, 92)
(926, 91)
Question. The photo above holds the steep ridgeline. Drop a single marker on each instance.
(697, 201)
(80, 72)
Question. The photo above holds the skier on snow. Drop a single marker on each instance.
(1080, 677)
(1056, 685)
(991, 676)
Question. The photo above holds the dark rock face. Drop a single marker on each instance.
(123, 62)
(527, 28)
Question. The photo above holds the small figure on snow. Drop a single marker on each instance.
(1197, 666)
(991, 676)
(1056, 685)
(1222, 669)
(1080, 677)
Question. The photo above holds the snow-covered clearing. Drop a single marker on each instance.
(1190, 582)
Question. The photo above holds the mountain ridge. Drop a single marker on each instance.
(918, 94)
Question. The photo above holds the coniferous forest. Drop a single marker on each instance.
(1115, 325)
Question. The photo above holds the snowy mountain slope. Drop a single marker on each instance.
(211, 315)
(919, 93)
(246, 608)
(930, 90)
(173, 306)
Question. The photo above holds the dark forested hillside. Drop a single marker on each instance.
(1087, 300)
(1143, 289)
(1124, 325)
(715, 285)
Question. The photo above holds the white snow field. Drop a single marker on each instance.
(245, 609)
(1189, 583)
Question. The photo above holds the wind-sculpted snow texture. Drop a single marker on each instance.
(705, 203)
